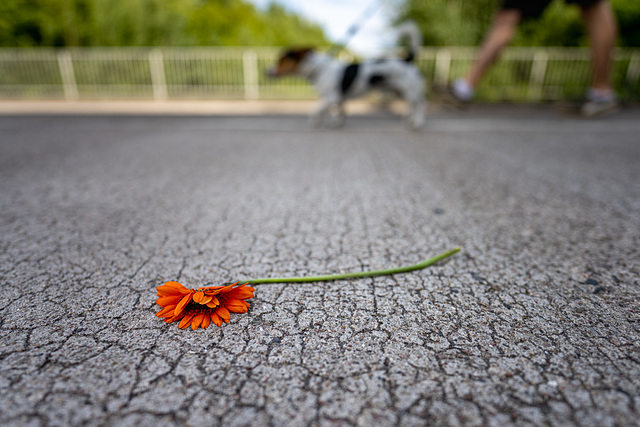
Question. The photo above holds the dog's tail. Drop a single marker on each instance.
(409, 30)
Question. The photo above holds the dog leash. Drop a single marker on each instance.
(368, 12)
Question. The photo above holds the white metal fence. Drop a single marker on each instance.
(522, 74)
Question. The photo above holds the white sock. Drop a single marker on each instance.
(463, 90)
(603, 95)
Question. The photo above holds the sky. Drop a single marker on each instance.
(336, 16)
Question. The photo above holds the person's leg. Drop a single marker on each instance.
(602, 30)
(502, 30)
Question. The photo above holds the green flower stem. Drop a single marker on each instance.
(359, 274)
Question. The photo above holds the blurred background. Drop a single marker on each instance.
(220, 49)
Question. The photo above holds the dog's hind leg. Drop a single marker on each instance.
(413, 94)
(416, 115)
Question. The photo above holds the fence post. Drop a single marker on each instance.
(443, 67)
(633, 70)
(538, 71)
(250, 64)
(158, 79)
(67, 75)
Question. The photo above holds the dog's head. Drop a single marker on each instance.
(289, 62)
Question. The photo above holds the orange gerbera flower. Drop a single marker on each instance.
(200, 307)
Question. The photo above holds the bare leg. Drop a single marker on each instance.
(602, 30)
(504, 26)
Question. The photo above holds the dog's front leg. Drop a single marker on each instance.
(321, 110)
(338, 119)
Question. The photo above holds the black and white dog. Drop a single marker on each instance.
(336, 81)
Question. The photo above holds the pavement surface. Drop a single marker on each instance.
(142, 107)
(535, 322)
(182, 107)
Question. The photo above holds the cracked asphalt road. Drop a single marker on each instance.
(535, 322)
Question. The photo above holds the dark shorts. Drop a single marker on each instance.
(534, 8)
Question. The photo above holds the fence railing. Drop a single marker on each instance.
(521, 75)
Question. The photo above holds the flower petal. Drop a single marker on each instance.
(198, 296)
(166, 311)
(228, 288)
(179, 286)
(210, 290)
(171, 288)
(236, 306)
(171, 319)
(242, 293)
(223, 313)
(213, 303)
(197, 320)
(206, 321)
(202, 298)
(216, 319)
(183, 302)
(186, 321)
(168, 300)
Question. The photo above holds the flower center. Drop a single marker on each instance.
(196, 308)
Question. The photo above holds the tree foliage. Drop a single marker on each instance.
(448, 22)
(151, 23)
(628, 14)
(465, 22)
(237, 22)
